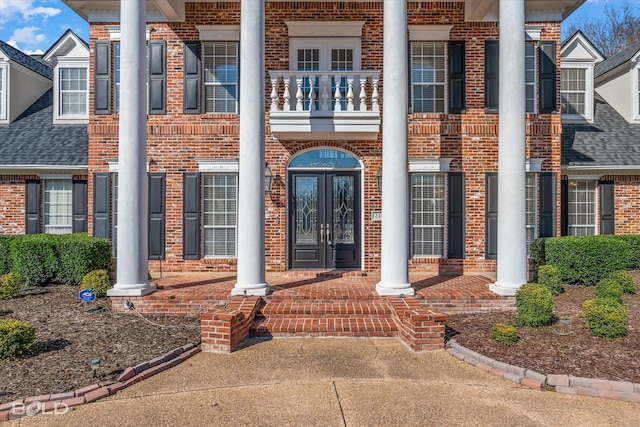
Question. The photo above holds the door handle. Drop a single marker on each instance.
(321, 233)
(328, 231)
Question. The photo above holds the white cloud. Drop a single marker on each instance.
(24, 10)
(28, 36)
(27, 51)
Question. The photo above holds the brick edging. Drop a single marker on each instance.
(132, 375)
(567, 384)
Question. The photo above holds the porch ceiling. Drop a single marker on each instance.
(174, 10)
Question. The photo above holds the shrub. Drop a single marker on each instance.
(80, 254)
(9, 286)
(535, 305)
(16, 338)
(626, 280)
(537, 251)
(609, 288)
(549, 276)
(5, 253)
(634, 250)
(504, 333)
(587, 259)
(34, 258)
(98, 281)
(606, 317)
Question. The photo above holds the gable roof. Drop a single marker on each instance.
(33, 140)
(34, 64)
(578, 39)
(616, 60)
(609, 142)
(60, 42)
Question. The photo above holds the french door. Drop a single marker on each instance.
(324, 220)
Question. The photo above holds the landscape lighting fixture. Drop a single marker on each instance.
(94, 363)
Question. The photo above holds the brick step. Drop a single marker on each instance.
(360, 326)
(320, 309)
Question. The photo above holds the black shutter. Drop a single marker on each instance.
(191, 83)
(32, 206)
(157, 77)
(491, 71)
(491, 217)
(101, 204)
(102, 77)
(607, 214)
(191, 215)
(564, 206)
(547, 54)
(457, 95)
(547, 204)
(156, 215)
(456, 215)
(79, 206)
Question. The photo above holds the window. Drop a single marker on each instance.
(220, 77)
(428, 68)
(530, 76)
(73, 92)
(581, 208)
(2, 92)
(219, 216)
(573, 90)
(116, 80)
(58, 206)
(428, 214)
(531, 208)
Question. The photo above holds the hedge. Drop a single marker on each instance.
(34, 258)
(80, 254)
(5, 253)
(587, 259)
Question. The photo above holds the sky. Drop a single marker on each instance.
(34, 25)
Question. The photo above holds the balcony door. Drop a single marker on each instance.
(324, 214)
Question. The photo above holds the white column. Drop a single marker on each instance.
(512, 252)
(395, 178)
(132, 258)
(251, 205)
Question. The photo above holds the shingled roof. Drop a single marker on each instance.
(609, 141)
(34, 64)
(33, 140)
(616, 60)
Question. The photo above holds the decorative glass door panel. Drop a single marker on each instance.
(324, 220)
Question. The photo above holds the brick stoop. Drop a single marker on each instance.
(222, 330)
(419, 328)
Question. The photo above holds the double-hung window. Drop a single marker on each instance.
(220, 214)
(57, 200)
(581, 207)
(73, 92)
(2, 93)
(428, 83)
(530, 76)
(428, 214)
(573, 91)
(220, 61)
(531, 208)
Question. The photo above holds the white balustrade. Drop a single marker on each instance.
(323, 93)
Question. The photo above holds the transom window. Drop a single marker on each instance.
(220, 214)
(73, 92)
(58, 198)
(428, 70)
(428, 214)
(582, 208)
(573, 91)
(220, 61)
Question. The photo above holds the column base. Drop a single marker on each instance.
(505, 289)
(138, 291)
(404, 289)
(259, 290)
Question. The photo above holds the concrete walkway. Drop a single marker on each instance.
(336, 382)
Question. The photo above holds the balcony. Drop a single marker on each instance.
(327, 105)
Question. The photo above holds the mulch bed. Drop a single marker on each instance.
(67, 337)
(564, 347)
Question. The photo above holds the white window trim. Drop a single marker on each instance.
(4, 68)
(58, 118)
(219, 33)
(217, 165)
(229, 165)
(325, 44)
(429, 33)
(429, 165)
(590, 178)
(536, 55)
(445, 226)
(324, 28)
(114, 32)
(113, 164)
(45, 226)
(636, 89)
(588, 97)
(536, 207)
(214, 84)
(446, 77)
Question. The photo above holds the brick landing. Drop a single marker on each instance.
(310, 304)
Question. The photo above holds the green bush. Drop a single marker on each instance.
(9, 286)
(549, 276)
(537, 251)
(535, 305)
(504, 333)
(98, 281)
(626, 280)
(80, 254)
(587, 259)
(606, 317)
(34, 258)
(609, 288)
(5, 253)
(634, 250)
(16, 338)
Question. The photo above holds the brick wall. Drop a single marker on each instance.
(12, 208)
(175, 140)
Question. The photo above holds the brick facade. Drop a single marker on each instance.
(175, 141)
(12, 210)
